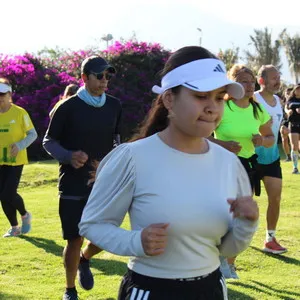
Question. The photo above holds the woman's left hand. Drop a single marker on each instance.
(14, 150)
(244, 207)
(257, 140)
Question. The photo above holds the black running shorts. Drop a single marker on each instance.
(271, 170)
(70, 212)
(294, 128)
(135, 286)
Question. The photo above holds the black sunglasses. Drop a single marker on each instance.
(2, 94)
(99, 76)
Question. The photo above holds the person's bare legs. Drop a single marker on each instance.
(273, 188)
(71, 258)
(284, 131)
(294, 138)
(85, 276)
(90, 250)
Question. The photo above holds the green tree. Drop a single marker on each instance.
(265, 52)
(52, 53)
(229, 56)
(292, 50)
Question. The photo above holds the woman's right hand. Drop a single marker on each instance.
(244, 207)
(154, 239)
(79, 158)
(232, 146)
(14, 150)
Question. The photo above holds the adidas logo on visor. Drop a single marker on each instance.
(192, 86)
(218, 68)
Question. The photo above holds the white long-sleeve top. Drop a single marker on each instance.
(158, 184)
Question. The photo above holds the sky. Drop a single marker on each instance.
(31, 25)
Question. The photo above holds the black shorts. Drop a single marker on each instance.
(294, 128)
(271, 170)
(70, 212)
(136, 286)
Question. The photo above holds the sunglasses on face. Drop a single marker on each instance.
(2, 94)
(100, 76)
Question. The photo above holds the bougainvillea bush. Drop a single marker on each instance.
(138, 65)
(39, 81)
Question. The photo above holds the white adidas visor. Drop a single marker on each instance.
(201, 75)
(4, 88)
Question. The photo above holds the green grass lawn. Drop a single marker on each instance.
(31, 266)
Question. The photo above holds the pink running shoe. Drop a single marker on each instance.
(274, 247)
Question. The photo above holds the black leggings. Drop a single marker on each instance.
(11, 201)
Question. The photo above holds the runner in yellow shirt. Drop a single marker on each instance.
(16, 134)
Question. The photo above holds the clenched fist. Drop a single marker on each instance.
(78, 159)
(154, 239)
(257, 140)
(14, 150)
(244, 207)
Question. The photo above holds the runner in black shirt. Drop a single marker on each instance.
(82, 131)
(293, 112)
(284, 129)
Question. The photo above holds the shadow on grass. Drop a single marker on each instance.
(266, 290)
(281, 257)
(237, 295)
(49, 246)
(4, 296)
(285, 294)
(109, 267)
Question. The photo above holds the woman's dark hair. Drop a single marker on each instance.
(292, 94)
(286, 93)
(70, 90)
(157, 117)
(233, 73)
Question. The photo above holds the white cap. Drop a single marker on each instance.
(4, 88)
(201, 75)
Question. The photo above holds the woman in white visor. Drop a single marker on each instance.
(189, 200)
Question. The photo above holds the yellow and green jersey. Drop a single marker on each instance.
(13, 127)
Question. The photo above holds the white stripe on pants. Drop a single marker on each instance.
(224, 288)
(141, 294)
